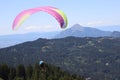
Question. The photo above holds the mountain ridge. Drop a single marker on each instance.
(77, 31)
(10, 40)
(87, 56)
(81, 31)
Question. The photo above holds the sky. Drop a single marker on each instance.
(85, 12)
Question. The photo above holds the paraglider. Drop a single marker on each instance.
(41, 62)
(55, 12)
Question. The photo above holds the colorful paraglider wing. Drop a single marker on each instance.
(58, 14)
(62, 14)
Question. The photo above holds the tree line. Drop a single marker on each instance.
(36, 72)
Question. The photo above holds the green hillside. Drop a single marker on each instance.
(95, 58)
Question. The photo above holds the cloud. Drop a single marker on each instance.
(95, 23)
(41, 28)
(37, 27)
(30, 27)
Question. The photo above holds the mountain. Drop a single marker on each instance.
(76, 31)
(109, 28)
(94, 58)
(10, 40)
(115, 34)
(80, 31)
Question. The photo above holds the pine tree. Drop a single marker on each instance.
(4, 71)
(12, 73)
(36, 75)
(29, 72)
(20, 72)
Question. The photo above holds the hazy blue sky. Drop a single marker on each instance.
(84, 12)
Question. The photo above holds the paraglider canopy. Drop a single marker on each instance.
(55, 12)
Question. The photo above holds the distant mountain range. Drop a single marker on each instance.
(76, 31)
(95, 58)
(80, 31)
(115, 34)
(109, 28)
(10, 40)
